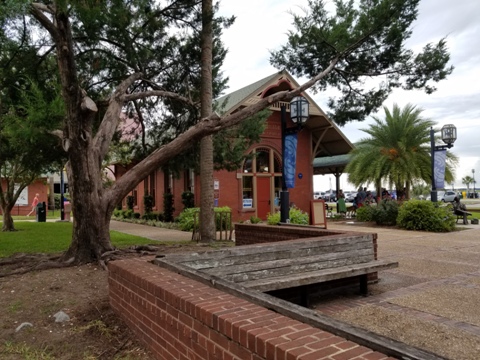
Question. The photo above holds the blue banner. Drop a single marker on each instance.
(439, 168)
(290, 159)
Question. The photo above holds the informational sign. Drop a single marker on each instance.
(23, 198)
(216, 185)
(247, 203)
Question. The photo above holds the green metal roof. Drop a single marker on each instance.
(227, 102)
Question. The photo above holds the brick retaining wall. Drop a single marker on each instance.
(180, 318)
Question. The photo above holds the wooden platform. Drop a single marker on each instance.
(288, 264)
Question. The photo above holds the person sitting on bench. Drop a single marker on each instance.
(460, 209)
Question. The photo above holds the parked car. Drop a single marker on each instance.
(448, 196)
(318, 195)
(350, 197)
(330, 196)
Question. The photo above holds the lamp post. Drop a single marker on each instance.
(299, 115)
(449, 135)
(473, 176)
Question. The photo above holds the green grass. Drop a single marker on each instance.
(53, 237)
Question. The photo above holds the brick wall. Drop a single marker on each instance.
(179, 318)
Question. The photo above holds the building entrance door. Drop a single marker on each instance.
(263, 197)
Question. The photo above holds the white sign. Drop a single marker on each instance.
(216, 185)
(247, 203)
(23, 198)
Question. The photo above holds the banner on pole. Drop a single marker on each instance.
(290, 159)
(439, 168)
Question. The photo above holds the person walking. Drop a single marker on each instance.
(34, 204)
(342, 208)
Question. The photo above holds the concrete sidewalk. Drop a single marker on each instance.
(430, 301)
(150, 232)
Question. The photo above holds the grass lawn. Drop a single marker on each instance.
(53, 237)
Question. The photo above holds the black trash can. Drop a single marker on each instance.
(41, 212)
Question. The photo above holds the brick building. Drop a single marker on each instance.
(254, 189)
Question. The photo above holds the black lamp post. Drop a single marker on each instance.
(299, 115)
(473, 176)
(449, 135)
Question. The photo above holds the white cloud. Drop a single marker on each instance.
(262, 26)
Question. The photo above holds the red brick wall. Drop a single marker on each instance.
(40, 187)
(179, 318)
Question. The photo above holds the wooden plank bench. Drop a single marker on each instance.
(290, 264)
(460, 213)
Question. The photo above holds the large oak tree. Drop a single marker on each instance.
(114, 53)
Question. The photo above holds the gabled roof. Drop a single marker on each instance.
(327, 139)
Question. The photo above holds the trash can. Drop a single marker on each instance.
(41, 212)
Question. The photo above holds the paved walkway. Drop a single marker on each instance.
(150, 232)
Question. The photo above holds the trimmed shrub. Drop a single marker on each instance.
(386, 212)
(186, 218)
(188, 199)
(168, 208)
(424, 215)
(129, 202)
(295, 215)
(365, 213)
(148, 203)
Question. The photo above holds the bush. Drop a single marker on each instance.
(127, 214)
(136, 215)
(168, 208)
(296, 216)
(365, 213)
(386, 212)
(255, 220)
(188, 199)
(130, 202)
(424, 215)
(148, 203)
(118, 213)
(186, 219)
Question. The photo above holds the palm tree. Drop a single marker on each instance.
(397, 151)
(467, 180)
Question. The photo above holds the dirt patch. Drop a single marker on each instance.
(81, 292)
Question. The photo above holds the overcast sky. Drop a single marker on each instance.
(262, 26)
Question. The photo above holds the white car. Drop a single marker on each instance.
(448, 196)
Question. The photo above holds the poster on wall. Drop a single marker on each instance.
(23, 198)
(247, 203)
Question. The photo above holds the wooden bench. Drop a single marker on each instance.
(290, 264)
(460, 214)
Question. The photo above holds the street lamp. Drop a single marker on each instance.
(473, 176)
(449, 135)
(298, 114)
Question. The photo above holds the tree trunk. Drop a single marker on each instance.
(207, 216)
(7, 220)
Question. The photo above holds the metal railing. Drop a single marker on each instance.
(223, 224)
